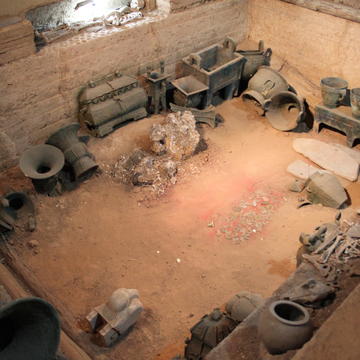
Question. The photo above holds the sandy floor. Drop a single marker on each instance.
(230, 220)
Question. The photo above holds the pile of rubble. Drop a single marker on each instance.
(174, 140)
(248, 216)
(141, 168)
(177, 137)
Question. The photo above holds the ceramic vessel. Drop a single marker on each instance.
(283, 326)
(355, 102)
(333, 91)
(240, 306)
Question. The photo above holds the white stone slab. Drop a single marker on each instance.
(303, 170)
(329, 157)
(355, 154)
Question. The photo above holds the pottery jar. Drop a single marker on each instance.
(283, 326)
(333, 91)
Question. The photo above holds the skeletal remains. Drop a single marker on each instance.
(330, 246)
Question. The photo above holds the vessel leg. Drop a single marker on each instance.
(229, 91)
(350, 139)
(156, 99)
(163, 96)
(316, 126)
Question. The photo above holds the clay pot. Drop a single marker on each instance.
(283, 326)
(240, 306)
(333, 91)
(355, 102)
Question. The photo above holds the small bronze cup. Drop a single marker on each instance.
(333, 91)
(355, 102)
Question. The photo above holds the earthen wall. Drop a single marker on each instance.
(38, 93)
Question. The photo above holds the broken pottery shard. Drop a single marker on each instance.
(302, 170)
(326, 189)
(329, 157)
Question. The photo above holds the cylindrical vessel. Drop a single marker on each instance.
(355, 102)
(254, 59)
(76, 153)
(285, 111)
(283, 326)
(333, 91)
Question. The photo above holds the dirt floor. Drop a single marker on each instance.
(229, 224)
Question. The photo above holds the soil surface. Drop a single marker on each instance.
(228, 224)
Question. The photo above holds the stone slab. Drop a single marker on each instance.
(355, 154)
(328, 157)
(302, 170)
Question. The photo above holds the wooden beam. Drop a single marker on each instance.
(330, 8)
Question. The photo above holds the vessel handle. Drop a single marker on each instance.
(268, 86)
(268, 53)
(195, 59)
(229, 43)
(261, 45)
(343, 94)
